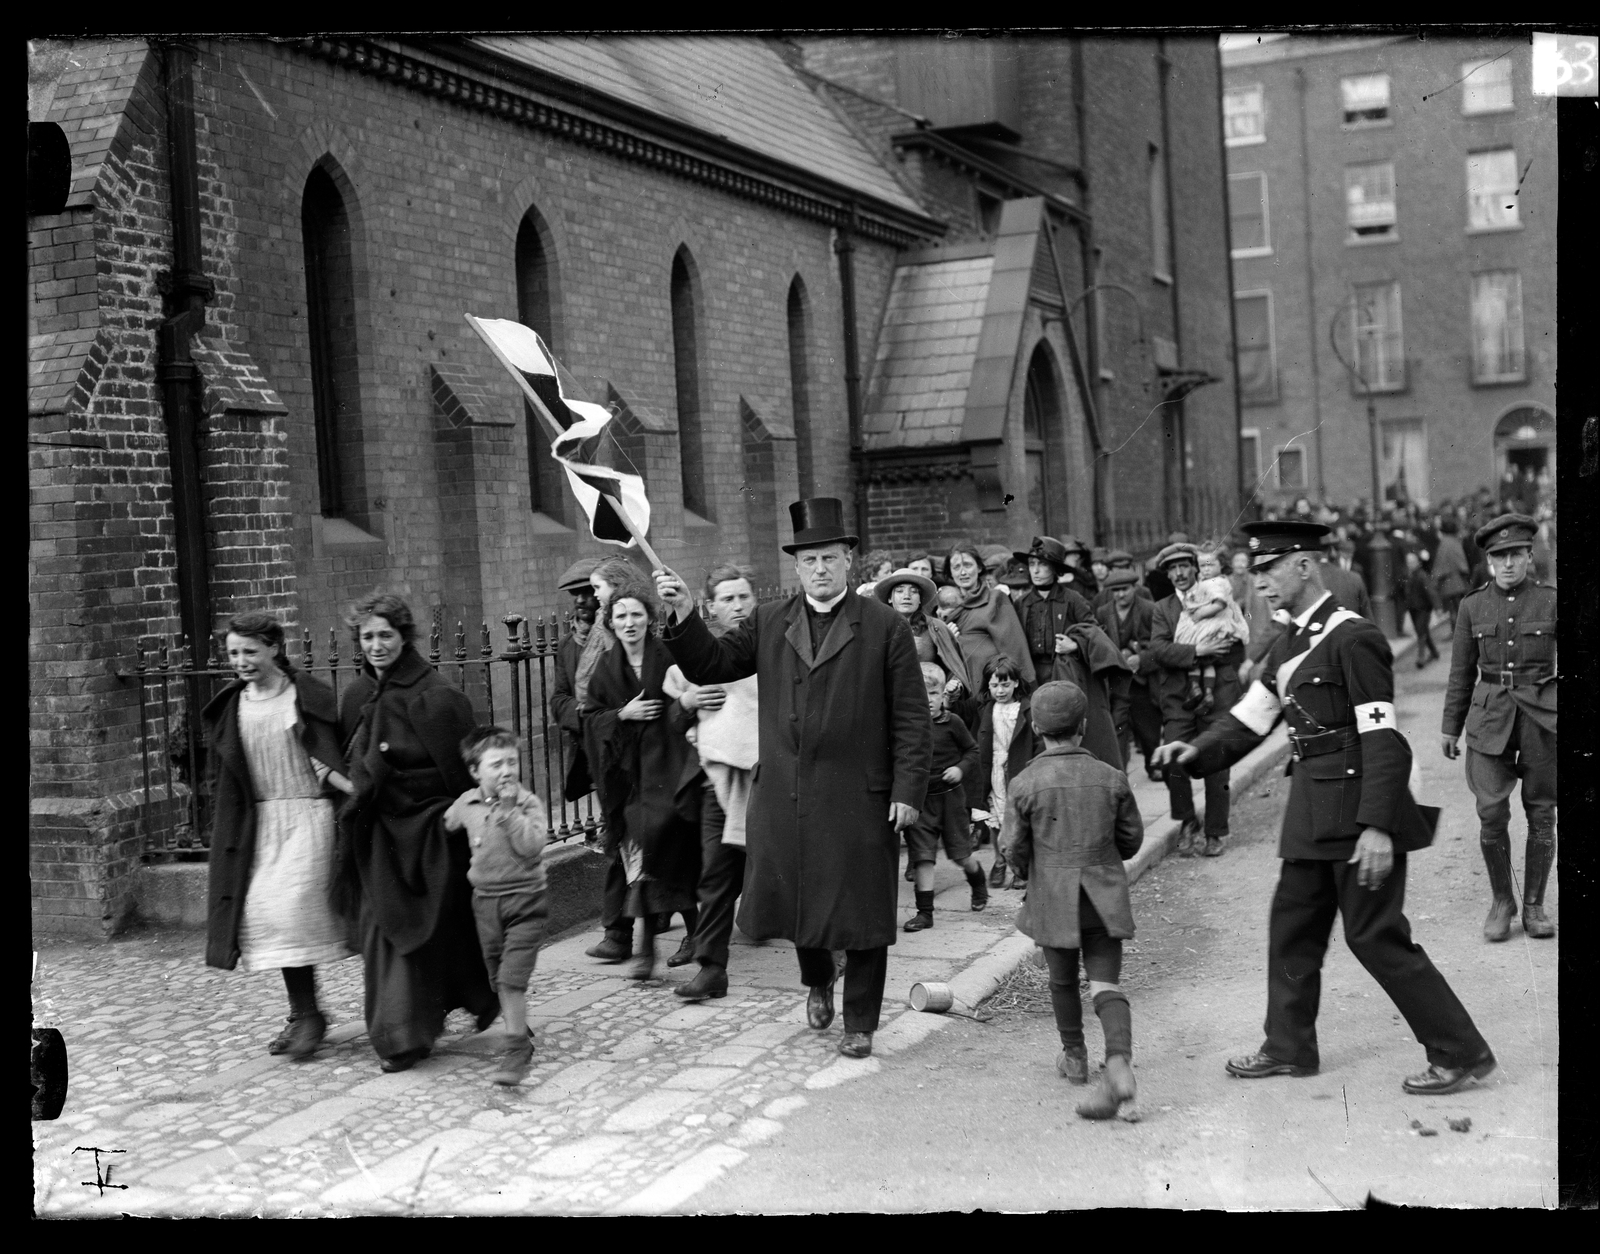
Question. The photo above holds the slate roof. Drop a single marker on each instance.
(737, 89)
(87, 98)
(927, 344)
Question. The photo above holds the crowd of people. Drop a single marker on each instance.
(767, 762)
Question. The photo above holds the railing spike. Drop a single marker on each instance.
(485, 644)
(461, 642)
(433, 643)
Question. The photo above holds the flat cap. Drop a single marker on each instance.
(1119, 557)
(577, 575)
(995, 556)
(1122, 577)
(1506, 532)
(1266, 542)
(1074, 545)
(1174, 552)
(1058, 708)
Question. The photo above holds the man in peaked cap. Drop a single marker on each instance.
(1125, 619)
(845, 748)
(1348, 826)
(1166, 664)
(1119, 559)
(1503, 691)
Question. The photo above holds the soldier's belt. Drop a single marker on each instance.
(1512, 678)
(1315, 744)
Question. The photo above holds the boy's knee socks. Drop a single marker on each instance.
(1067, 1003)
(924, 901)
(1116, 1021)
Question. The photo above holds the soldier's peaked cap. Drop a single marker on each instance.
(1266, 542)
(1508, 531)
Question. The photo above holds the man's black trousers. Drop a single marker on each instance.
(721, 882)
(865, 971)
(1308, 896)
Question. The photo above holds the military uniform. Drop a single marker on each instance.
(1330, 676)
(1503, 693)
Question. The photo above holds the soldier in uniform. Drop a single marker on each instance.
(1503, 690)
(1349, 824)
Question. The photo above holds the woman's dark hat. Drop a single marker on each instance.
(1266, 542)
(1509, 531)
(925, 587)
(1046, 549)
(818, 521)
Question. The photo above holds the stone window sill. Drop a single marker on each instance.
(339, 537)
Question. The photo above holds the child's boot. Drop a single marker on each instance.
(1117, 1085)
(1194, 694)
(1208, 698)
(997, 873)
(1073, 1064)
(515, 1061)
(923, 918)
(980, 887)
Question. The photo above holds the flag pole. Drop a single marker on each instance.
(543, 410)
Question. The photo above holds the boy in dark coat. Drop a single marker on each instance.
(1074, 820)
(943, 818)
(1421, 599)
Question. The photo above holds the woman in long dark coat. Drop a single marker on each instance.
(647, 773)
(403, 725)
(275, 762)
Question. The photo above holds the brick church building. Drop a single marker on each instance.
(973, 288)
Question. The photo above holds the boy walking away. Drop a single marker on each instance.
(1422, 598)
(1072, 819)
(506, 828)
(943, 817)
(1210, 614)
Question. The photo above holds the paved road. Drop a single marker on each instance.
(976, 1117)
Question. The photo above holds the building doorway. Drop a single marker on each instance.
(1525, 458)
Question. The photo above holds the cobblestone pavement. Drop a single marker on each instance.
(635, 1101)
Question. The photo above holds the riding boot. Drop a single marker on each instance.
(1497, 857)
(1540, 853)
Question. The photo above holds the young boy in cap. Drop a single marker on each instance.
(1073, 819)
(943, 818)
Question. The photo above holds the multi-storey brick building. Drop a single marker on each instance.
(1393, 205)
(252, 385)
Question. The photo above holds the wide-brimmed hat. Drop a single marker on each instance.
(1508, 531)
(1046, 549)
(924, 585)
(577, 575)
(817, 521)
(1175, 552)
(1266, 542)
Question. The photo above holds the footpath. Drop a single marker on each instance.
(636, 1102)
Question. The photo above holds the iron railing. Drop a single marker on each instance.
(512, 685)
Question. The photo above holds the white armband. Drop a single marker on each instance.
(1258, 709)
(1375, 716)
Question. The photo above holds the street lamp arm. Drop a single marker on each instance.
(1138, 309)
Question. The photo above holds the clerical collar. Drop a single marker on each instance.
(825, 607)
(1300, 620)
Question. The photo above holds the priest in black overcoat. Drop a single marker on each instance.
(845, 743)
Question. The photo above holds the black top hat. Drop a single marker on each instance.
(1268, 541)
(818, 521)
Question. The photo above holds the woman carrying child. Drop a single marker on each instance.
(646, 772)
(1210, 615)
(1071, 820)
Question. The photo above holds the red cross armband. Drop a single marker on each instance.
(1376, 716)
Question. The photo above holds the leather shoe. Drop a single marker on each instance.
(306, 1035)
(997, 873)
(403, 1061)
(1073, 1064)
(610, 949)
(280, 1043)
(819, 1006)
(1213, 847)
(710, 981)
(1189, 835)
(1497, 926)
(856, 1044)
(684, 954)
(1535, 923)
(1256, 1066)
(1437, 1080)
(1116, 1088)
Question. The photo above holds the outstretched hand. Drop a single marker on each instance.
(1178, 751)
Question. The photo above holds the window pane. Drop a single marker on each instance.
(1369, 199)
(1403, 464)
(1291, 468)
(1486, 86)
(1257, 381)
(1380, 350)
(1242, 114)
(1492, 188)
(1365, 98)
(1250, 456)
(1247, 205)
(1497, 347)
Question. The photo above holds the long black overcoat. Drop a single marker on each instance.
(842, 734)
(233, 826)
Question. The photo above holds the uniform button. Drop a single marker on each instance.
(794, 718)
